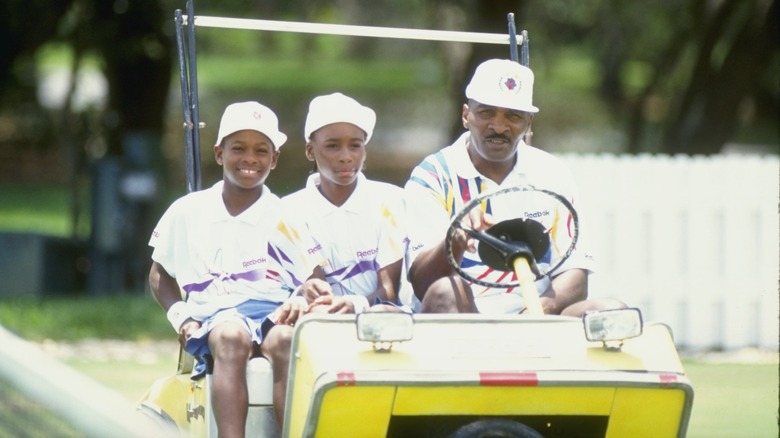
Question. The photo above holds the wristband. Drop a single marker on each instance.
(359, 302)
(178, 313)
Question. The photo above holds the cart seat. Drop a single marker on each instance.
(260, 381)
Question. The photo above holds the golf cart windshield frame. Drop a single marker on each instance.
(188, 66)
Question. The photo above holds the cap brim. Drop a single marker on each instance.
(503, 103)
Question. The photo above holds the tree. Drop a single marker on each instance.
(711, 65)
(736, 42)
(19, 40)
(135, 48)
(715, 62)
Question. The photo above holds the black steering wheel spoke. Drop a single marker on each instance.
(501, 245)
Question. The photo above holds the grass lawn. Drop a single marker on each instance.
(733, 400)
(131, 377)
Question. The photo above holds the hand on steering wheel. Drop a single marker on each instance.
(502, 243)
(475, 220)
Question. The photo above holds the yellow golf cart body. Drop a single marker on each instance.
(455, 370)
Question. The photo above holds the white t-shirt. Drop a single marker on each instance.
(356, 239)
(444, 182)
(220, 260)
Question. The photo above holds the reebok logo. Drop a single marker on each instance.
(536, 214)
(249, 263)
(366, 253)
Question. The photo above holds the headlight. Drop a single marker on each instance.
(384, 328)
(613, 325)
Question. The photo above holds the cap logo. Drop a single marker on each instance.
(509, 84)
(257, 115)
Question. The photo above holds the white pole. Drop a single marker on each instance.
(351, 30)
(89, 406)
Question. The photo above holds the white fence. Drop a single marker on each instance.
(692, 241)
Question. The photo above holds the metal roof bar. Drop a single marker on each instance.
(351, 30)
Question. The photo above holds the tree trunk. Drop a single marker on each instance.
(138, 57)
(708, 115)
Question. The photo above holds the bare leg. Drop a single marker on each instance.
(449, 295)
(276, 348)
(231, 346)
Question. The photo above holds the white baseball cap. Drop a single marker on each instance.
(503, 83)
(253, 116)
(335, 108)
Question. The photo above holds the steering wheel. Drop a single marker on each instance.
(502, 244)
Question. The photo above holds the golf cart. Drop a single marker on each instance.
(607, 374)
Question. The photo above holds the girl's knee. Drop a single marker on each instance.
(229, 337)
(278, 341)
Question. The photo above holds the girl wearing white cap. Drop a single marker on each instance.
(356, 222)
(220, 248)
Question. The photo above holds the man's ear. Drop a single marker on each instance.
(530, 123)
(465, 115)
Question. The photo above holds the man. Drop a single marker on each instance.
(492, 155)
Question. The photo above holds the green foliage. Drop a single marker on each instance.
(39, 209)
(56, 55)
(241, 60)
(129, 317)
(297, 75)
(569, 72)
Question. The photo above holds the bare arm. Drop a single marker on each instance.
(431, 264)
(166, 291)
(164, 287)
(315, 286)
(388, 282)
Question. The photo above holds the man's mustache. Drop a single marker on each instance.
(495, 136)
